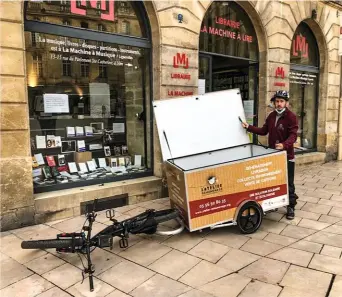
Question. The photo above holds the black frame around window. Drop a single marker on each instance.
(306, 67)
(37, 26)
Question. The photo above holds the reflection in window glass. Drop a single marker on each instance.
(303, 86)
(83, 102)
(114, 15)
(37, 65)
(66, 68)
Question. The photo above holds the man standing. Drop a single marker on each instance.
(281, 126)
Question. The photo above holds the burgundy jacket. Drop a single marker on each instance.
(284, 132)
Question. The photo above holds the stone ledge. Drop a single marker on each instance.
(310, 158)
(58, 201)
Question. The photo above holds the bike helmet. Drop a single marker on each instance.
(281, 94)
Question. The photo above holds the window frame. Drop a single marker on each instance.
(66, 65)
(309, 69)
(37, 26)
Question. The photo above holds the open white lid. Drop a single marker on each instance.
(197, 124)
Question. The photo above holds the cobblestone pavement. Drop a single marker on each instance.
(284, 258)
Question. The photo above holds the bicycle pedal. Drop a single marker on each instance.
(123, 242)
(110, 213)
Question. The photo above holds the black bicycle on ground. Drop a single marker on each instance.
(83, 242)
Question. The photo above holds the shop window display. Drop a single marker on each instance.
(89, 109)
(304, 79)
(117, 17)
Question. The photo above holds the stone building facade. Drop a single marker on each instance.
(188, 41)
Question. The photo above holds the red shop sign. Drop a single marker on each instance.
(300, 45)
(181, 60)
(279, 72)
(107, 13)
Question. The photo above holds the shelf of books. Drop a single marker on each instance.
(86, 155)
(231, 80)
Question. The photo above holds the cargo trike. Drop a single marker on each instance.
(216, 177)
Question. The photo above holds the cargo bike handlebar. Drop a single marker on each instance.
(84, 243)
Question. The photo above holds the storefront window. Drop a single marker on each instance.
(226, 29)
(304, 79)
(89, 109)
(229, 54)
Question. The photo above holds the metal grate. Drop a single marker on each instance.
(104, 203)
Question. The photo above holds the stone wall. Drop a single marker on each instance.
(15, 162)
(275, 23)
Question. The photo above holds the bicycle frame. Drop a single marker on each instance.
(142, 223)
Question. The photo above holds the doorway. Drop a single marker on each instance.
(219, 72)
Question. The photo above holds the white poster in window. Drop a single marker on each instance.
(248, 106)
(99, 100)
(137, 160)
(83, 167)
(40, 142)
(37, 172)
(119, 127)
(102, 162)
(201, 86)
(91, 165)
(39, 159)
(56, 103)
(72, 167)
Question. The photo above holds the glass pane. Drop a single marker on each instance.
(304, 48)
(204, 72)
(310, 118)
(120, 17)
(86, 105)
(303, 102)
(226, 29)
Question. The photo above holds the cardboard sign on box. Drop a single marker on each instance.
(83, 157)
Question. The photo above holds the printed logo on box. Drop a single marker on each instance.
(213, 187)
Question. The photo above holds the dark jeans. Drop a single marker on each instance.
(290, 175)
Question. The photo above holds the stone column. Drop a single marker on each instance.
(182, 39)
(17, 203)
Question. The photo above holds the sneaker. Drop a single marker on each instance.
(290, 213)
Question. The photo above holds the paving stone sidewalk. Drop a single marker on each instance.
(299, 258)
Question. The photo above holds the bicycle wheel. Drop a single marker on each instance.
(159, 216)
(51, 243)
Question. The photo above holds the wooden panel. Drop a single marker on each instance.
(215, 193)
(177, 190)
(242, 176)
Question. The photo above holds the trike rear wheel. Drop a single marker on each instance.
(51, 243)
(249, 217)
